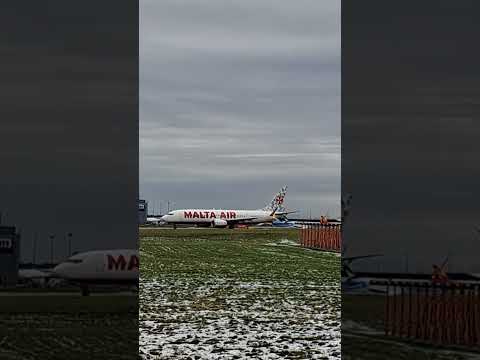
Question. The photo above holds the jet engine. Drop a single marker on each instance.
(219, 223)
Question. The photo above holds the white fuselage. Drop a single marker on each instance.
(210, 216)
(101, 266)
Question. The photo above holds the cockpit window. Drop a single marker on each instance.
(170, 213)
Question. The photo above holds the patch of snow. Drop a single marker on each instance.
(229, 319)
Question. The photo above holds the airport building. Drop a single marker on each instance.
(9, 256)
(142, 211)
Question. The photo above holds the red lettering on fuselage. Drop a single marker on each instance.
(116, 264)
(120, 263)
(134, 262)
(209, 214)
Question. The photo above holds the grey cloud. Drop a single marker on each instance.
(69, 127)
(409, 139)
(238, 96)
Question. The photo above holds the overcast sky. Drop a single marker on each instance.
(69, 149)
(410, 133)
(237, 99)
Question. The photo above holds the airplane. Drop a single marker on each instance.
(285, 223)
(374, 282)
(35, 277)
(229, 218)
(352, 282)
(101, 267)
(370, 282)
(154, 220)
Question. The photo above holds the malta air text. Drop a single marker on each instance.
(209, 215)
(122, 263)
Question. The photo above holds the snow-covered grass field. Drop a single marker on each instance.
(233, 294)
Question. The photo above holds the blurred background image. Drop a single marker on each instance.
(69, 184)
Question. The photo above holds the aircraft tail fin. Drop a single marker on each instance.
(277, 201)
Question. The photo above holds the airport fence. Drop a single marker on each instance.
(321, 237)
(437, 314)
